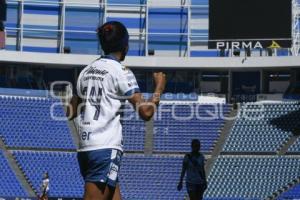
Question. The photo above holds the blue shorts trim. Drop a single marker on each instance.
(100, 166)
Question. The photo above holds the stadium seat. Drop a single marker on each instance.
(250, 176)
(262, 127)
(65, 178)
(292, 193)
(9, 184)
(28, 123)
(176, 125)
(162, 174)
(295, 148)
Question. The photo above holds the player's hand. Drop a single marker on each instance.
(179, 186)
(160, 80)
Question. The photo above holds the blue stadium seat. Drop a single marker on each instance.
(295, 148)
(133, 130)
(250, 176)
(179, 124)
(9, 184)
(162, 174)
(141, 175)
(28, 123)
(292, 193)
(64, 173)
(262, 127)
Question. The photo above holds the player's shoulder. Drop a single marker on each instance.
(121, 71)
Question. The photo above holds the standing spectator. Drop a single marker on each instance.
(1, 26)
(193, 166)
(45, 187)
(2, 36)
(3, 8)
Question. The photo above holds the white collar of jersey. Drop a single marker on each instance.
(111, 57)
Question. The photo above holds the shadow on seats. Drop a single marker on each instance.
(289, 122)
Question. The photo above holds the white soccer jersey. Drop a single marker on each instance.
(45, 185)
(102, 86)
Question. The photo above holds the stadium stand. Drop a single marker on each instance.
(167, 24)
(263, 127)
(162, 174)
(42, 131)
(27, 122)
(199, 30)
(168, 28)
(133, 16)
(80, 26)
(133, 130)
(65, 178)
(41, 27)
(11, 26)
(179, 124)
(251, 176)
(293, 193)
(246, 167)
(150, 177)
(9, 185)
(295, 148)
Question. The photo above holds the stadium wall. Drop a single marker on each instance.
(154, 62)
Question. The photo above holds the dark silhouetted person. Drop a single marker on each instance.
(2, 36)
(193, 166)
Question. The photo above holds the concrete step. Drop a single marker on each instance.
(19, 174)
(284, 149)
(221, 141)
(149, 143)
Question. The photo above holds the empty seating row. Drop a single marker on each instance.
(295, 148)
(150, 177)
(34, 122)
(251, 176)
(140, 175)
(133, 130)
(263, 127)
(9, 184)
(65, 178)
(176, 125)
(293, 193)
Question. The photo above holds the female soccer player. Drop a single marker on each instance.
(102, 88)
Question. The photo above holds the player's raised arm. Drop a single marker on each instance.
(146, 108)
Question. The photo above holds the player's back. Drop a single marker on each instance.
(102, 86)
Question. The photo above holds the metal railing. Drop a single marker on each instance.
(188, 37)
